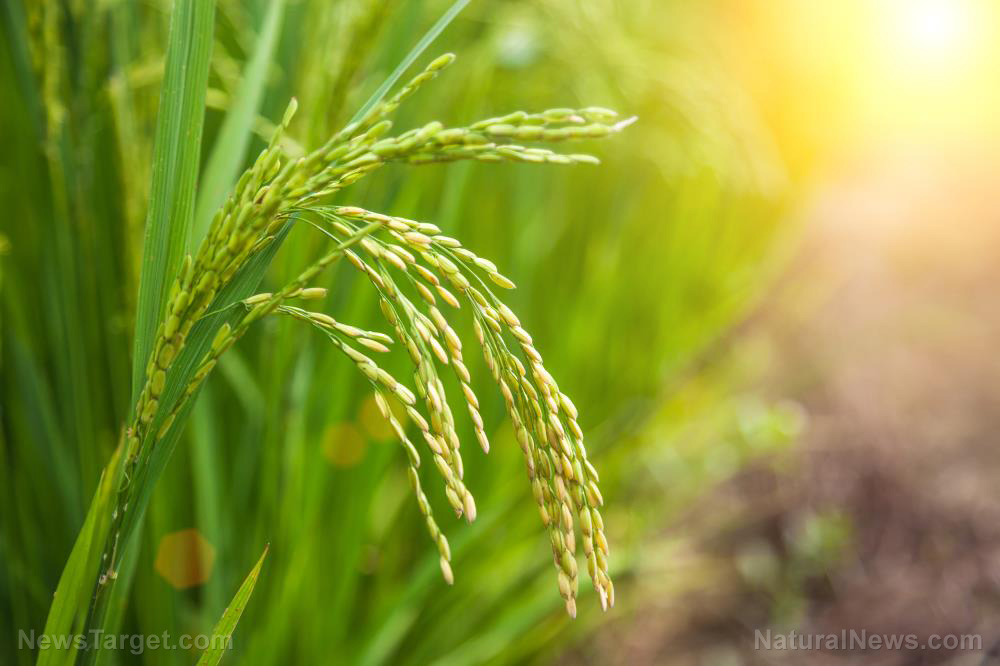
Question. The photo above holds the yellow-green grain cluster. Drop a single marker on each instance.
(419, 274)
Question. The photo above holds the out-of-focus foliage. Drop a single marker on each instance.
(629, 273)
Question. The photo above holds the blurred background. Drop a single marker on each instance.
(772, 304)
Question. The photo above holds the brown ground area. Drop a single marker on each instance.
(887, 332)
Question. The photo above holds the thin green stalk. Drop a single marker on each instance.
(175, 169)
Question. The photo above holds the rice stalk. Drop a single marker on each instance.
(411, 265)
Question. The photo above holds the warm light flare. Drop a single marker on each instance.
(854, 72)
(935, 28)
(938, 66)
(943, 35)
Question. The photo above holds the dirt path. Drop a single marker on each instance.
(887, 332)
(890, 335)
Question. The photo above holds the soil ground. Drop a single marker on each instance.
(887, 331)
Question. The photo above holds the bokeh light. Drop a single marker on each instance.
(185, 559)
(372, 422)
(344, 445)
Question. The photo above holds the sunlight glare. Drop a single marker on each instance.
(936, 27)
(937, 33)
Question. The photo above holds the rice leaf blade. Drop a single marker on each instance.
(176, 155)
(68, 613)
(229, 149)
(242, 285)
(223, 632)
(411, 57)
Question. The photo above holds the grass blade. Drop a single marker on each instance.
(410, 58)
(68, 613)
(176, 154)
(230, 147)
(175, 168)
(243, 284)
(223, 632)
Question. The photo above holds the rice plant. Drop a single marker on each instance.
(275, 193)
(410, 264)
(290, 259)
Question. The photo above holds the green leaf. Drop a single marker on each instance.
(68, 613)
(175, 169)
(410, 58)
(229, 150)
(199, 341)
(14, 27)
(223, 632)
(243, 284)
(175, 166)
